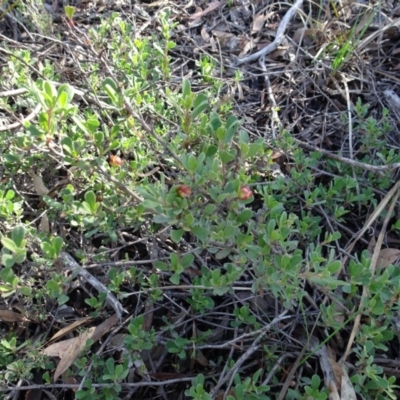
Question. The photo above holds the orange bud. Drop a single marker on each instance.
(245, 193)
(115, 161)
(183, 191)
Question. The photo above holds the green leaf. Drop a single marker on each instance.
(20, 256)
(99, 139)
(69, 11)
(10, 194)
(112, 90)
(192, 164)
(221, 133)
(175, 279)
(174, 260)
(25, 290)
(62, 100)
(215, 121)
(12, 158)
(244, 149)
(67, 143)
(62, 299)
(187, 260)
(189, 219)
(47, 249)
(209, 209)
(255, 148)
(200, 104)
(50, 91)
(163, 219)
(57, 245)
(90, 198)
(200, 233)
(162, 266)
(67, 93)
(334, 266)
(92, 124)
(223, 253)
(231, 127)
(171, 45)
(152, 205)
(227, 156)
(7, 275)
(211, 151)
(244, 216)
(244, 137)
(9, 244)
(80, 124)
(176, 235)
(18, 235)
(186, 89)
(7, 260)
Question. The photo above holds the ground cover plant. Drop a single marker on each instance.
(199, 201)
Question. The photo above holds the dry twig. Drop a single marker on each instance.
(278, 38)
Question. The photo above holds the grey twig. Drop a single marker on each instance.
(247, 354)
(278, 38)
(89, 278)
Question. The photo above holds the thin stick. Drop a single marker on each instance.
(89, 278)
(247, 354)
(278, 38)
(373, 266)
(358, 164)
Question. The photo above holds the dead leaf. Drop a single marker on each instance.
(11, 316)
(58, 349)
(213, 43)
(58, 265)
(44, 225)
(28, 314)
(38, 184)
(331, 369)
(35, 394)
(195, 23)
(69, 328)
(104, 327)
(116, 341)
(72, 352)
(69, 350)
(213, 6)
(258, 23)
(246, 47)
(204, 34)
(222, 395)
(226, 39)
(371, 245)
(148, 315)
(388, 256)
(201, 358)
(347, 390)
(221, 34)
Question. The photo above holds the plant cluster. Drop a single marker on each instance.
(178, 211)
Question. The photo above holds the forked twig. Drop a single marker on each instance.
(278, 38)
(247, 354)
